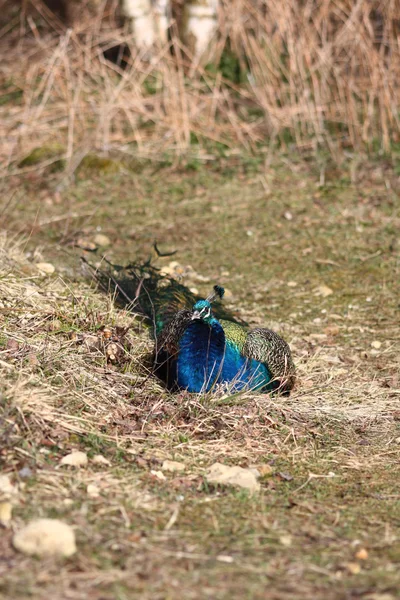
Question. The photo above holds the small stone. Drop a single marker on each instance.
(265, 470)
(288, 215)
(292, 284)
(225, 558)
(361, 554)
(228, 296)
(286, 540)
(158, 475)
(46, 537)
(5, 513)
(99, 459)
(353, 568)
(102, 240)
(332, 330)
(323, 290)
(6, 487)
(376, 344)
(75, 459)
(86, 244)
(92, 490)
(46, 268)
(235, 476)
(172, 465)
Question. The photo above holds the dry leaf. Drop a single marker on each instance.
(332, 330)
(265, 470)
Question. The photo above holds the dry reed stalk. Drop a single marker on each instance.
(320, 75)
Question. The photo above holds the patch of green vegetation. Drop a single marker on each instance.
(10, 93)
(50, 154)
(231, 67)
(100, 164)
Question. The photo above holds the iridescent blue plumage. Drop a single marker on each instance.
(206, 358)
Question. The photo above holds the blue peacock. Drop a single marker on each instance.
(199, 344)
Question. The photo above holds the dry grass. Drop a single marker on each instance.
(316, 75)
(145, 537)
(56, 339)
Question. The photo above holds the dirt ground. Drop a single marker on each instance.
(320, 264)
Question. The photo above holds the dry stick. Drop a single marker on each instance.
(312, 476)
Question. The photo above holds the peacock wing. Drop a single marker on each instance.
(267, 347)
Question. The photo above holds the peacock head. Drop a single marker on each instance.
(202, 309)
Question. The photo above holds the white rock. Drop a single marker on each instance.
(286, 540)
(159, 475)
(323, 290)
(46, 537)
(7, 489)
(75, 459)
(172, 465)
(93, 491)
(46, 268)
(99, 459)
(376, 344)
(102, 240)
(236, 476)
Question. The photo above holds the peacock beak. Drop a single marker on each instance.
(196, 315)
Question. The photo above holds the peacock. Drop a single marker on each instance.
(199, 344)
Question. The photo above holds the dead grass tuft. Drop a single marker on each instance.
(315, 75)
